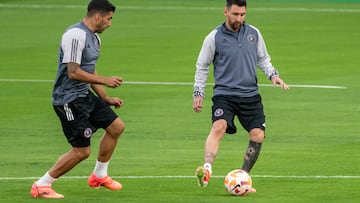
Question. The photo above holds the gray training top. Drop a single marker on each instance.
(235, 56)
(78, 45)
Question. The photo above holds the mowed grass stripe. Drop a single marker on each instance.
(187, 177)
(167, 8)
(174, 83)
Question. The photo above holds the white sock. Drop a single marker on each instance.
(46, 180)
(101, 168)
(208, 167)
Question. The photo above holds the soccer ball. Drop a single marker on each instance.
(237, 182)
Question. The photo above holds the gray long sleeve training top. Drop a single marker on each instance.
(235, 57)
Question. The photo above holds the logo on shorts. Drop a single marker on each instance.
(87, 132)
(218, 112)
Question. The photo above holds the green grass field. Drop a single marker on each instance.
(311, 153)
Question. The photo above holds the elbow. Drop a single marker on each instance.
(72, 76)
(73, 71)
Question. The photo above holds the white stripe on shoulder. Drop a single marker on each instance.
(72, 44)
(255, 28)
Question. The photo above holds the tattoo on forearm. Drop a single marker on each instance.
(72, 67)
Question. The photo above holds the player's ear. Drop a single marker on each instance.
(97, 17)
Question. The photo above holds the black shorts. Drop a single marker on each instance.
(249, 111)
(82, 117)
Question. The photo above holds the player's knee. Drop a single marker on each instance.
(219, 127)
(120, 128)
(116, 128)
(82, 153)
(257, 135)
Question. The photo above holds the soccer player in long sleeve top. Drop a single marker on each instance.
(236, 49)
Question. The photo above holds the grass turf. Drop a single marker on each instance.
(311, 131)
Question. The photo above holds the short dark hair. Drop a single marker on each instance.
(240, 3)
(102, 6)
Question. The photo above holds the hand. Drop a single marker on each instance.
(114, 101)
(198, 103)
(113, 81)
(277, 81)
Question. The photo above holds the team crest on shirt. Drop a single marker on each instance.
(218, 112)
(251, 38)
(87, 132)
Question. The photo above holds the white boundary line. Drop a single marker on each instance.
(267, 9)
(172, 83)
(188, 177)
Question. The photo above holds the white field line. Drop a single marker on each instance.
(185, 8)
(188, 177)
(172, 83)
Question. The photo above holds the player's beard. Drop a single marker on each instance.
(236, 25)
(101, 30)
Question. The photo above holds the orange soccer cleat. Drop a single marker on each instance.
(203, 176)
(44, 192)
(106, 182)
